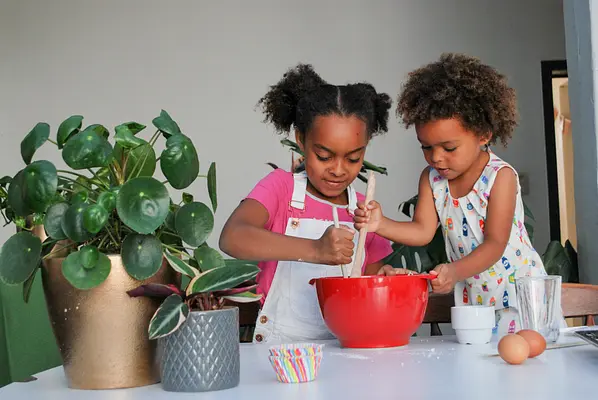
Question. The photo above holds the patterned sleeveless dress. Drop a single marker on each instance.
(463, 221)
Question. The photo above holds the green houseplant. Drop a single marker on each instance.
(196, 321)
(108, 226)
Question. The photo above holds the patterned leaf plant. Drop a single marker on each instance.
(108, 202)
(211, 282)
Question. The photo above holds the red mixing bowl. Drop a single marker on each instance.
(373, 311)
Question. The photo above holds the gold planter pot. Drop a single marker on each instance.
(102, 332)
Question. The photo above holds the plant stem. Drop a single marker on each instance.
(53, 142)
(78, 183)
(57, 251)
(165, 182)
(113, 172)
(158, 159)
(97, 178)
(72, 173)
(112, 237)
(173, 249)
(170, 233)
(50, 242)
(202, 176)
(120, 177)
(102, 241)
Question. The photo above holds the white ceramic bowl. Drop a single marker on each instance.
(473, 324)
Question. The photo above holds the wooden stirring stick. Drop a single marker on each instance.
(358, 261)
(337, 225)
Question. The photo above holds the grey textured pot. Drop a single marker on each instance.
(203, 354)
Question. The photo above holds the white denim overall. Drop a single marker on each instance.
(291, 312)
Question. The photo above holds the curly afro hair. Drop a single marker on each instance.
(301, 95)
(460, 86)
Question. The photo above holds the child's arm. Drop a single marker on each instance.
(245, 237)
(418, 232)
(499, 221)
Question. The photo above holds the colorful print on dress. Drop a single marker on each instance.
(505, 299)
(492, 301)
(505, 262)
(479, 298)
(465, 296)
(465, 231)
(512, 326)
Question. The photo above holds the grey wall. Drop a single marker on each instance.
(581, 22)
(208, 63)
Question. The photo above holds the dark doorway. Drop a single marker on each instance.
(559, 151)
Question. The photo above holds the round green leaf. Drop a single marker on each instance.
(40, 181)
(89, 256)
(126, 138)
(80, 197)
(134, 127)
(72, 223)
(68, 128)
(99, 130)
(34, 140)
(194, 223)
(142, 204)
(141, 162)
(170, 218)
(94, 218)
(179, 161)
(142, 255)
(107, 200)
(15, 196)
(166, 125)
(53, 220)
(87, 149)
(82, 278)
(19, 257)
(208, 258)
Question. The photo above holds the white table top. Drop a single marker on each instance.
(428, 368)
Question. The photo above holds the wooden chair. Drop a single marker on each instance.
(577, 301)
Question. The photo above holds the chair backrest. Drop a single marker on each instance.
(577, 300)
(580, 300)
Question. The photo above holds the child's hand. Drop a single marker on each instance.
(335, 247)
(388, 270)
(446, 279)
(369, 216)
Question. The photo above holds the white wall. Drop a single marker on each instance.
(208, 63)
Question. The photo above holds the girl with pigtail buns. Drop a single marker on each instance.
(286, 222)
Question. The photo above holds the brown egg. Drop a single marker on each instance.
(513, 349)
(537, 343)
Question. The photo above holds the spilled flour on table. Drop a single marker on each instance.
(350, 355)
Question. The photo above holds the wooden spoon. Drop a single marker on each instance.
(363, 232)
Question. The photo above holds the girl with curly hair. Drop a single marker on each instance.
(459, 107)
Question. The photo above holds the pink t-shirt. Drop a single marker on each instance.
(275, 192)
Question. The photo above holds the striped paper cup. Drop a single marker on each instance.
(296, 350)
(296, 369)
